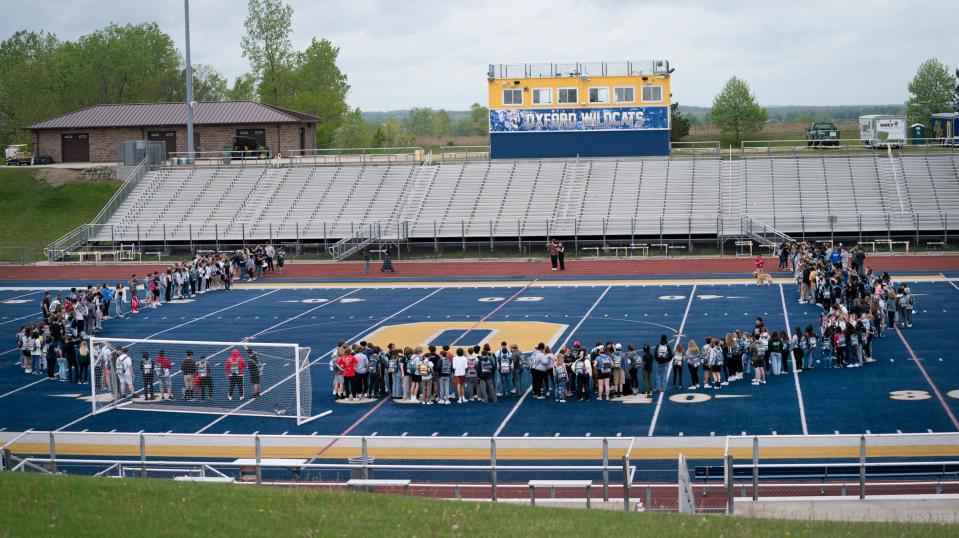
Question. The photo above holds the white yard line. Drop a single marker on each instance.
(14, 391)
(566, 341)
(669, 368)
(802, 406)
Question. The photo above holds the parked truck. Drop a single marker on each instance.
(822, 133)
(878, 130)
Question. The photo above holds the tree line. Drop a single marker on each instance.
(42, 76)
(933, 89)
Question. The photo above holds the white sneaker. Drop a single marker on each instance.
(755, 382)
(724, 383)
(229, 398)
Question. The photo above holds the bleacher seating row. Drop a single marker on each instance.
(539, 198)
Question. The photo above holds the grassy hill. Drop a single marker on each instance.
(37, 505)
(35, 211)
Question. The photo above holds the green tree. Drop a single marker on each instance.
(378, 139)
(312, 83)
(679, 125)
(29, 87)
(479, 119)
(118, 64)
(352, 131)
(736, 113)
(267, 43)
(441, 124)
(931, 90)
(420, 121)
(208, 84)
(243, 89)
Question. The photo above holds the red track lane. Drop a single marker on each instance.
(479, 268)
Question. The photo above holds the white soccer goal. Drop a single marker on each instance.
(224, 378)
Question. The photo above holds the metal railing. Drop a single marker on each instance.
(773, 148)
(81, 234)
(463, 153)
(578, 69)
(322, 156)
(762, 233)
(495, 468)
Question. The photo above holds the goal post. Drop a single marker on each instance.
(203, 377)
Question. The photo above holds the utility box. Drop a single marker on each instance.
(917, 134)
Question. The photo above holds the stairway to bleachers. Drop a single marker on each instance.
(642, 197)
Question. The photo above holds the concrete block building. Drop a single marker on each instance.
(93, 134)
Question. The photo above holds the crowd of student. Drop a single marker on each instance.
(55, 344)
(858, 307)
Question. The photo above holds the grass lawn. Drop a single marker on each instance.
(33, 213)
(37, 505)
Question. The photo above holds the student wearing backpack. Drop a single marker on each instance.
(693, 361)
(504, 371)
(472, 368)
(147, 368)
(413, 367)
(582, 369)
(393, 366)
(678, 355)
(164, 372)
(604, 372)
(663, 356)
(189, 376)
(444, 371)
(560, 375)
(425, 369)
(487, 367)
(204, 379)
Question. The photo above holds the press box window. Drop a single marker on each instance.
(542, 96)
(568, 95)
(625, 94)
(599, 95)
(652, 93)
(512, 96)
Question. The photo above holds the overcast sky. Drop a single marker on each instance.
(399, 54)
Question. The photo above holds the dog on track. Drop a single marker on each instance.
(762, 279)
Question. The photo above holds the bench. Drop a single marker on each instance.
(594, 249)
(936, 246)
(892, 244)
(248, 466)
(642, 247)
(664, 246)
(553, 484)
(210, 479)
(366, 483)
(744, 249)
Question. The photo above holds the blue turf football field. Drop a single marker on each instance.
(820, 401)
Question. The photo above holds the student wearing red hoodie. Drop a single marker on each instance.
(234, 370)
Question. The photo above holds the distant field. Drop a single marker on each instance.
(771, 131)
(34, 212)
(37, 505)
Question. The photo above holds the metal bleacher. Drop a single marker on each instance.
(612, 197)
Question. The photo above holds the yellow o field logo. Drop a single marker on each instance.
(525, 334)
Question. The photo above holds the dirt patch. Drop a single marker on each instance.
(59, 176)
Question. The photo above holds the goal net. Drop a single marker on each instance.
(218, 378)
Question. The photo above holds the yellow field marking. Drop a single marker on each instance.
(525, 334)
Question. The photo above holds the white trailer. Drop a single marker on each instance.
(878, 130)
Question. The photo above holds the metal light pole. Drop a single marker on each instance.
(189, 84)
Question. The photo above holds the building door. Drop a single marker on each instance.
(167, 137)
(302, 138)
(75, 148)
